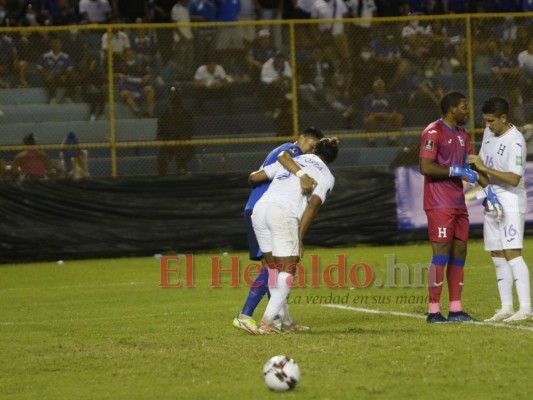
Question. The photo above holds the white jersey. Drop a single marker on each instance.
(506, 153)
(285, 187)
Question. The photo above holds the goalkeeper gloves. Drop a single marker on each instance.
(467, 174)
(491, 203)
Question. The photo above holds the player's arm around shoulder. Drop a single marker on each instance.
(265, 174)
(307, 183)
(257, 177)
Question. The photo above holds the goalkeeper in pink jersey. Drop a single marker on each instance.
(443, 149)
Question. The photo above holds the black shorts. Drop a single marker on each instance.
(253, 246)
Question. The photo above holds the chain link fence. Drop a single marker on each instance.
(152, 99)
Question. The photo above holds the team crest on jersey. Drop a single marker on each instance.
(461, 141)
(428, 145)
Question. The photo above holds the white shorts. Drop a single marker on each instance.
(276, 230)
(505, 235)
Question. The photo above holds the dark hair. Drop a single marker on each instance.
(450, 99)
(496, 105)
(29, 140)
(327, 149)
(312, 131)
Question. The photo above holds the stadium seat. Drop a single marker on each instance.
(45, 112)
(362, 157)
(253, 123)
(121, 110)
(208, 125)
(417, 117)
(248, 105)
(55, 132)
(136, 129)
(480, 95)
(326, 121)
(23, 96)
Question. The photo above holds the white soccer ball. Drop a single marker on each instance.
(281, 373)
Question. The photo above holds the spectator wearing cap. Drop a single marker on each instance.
(379, 109)
(261, 51)
(276, 75)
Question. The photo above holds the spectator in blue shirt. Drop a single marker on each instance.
(56, 68)
(144, 45)
(135, 82)
(379, 109)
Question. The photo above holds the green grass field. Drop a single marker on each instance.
(104, 329)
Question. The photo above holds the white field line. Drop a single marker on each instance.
(418, 316)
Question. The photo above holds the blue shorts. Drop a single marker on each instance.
(253, 246)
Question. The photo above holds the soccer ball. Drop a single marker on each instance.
(281, 373)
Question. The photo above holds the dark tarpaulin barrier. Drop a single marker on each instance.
(63, 219)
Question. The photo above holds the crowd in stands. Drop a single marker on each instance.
(354, 69)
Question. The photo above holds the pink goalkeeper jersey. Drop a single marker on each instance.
(447, 147)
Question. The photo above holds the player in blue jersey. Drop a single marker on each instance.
(284, 153)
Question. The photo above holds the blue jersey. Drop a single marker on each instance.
(272, 157)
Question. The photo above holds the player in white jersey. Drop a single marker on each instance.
(501, 166)
(282, 217)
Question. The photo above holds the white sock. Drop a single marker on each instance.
(504, 277)
(278, 294)
(521, 278)
(285, 316)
